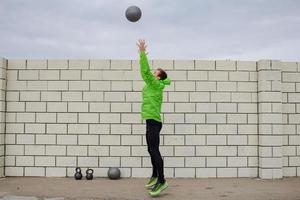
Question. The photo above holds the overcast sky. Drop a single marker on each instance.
(173, 29)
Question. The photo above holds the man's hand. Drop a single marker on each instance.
(142, 46)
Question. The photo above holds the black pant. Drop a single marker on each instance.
(153, 128)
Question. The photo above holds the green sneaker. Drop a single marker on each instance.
(151, 182)
(158, 188)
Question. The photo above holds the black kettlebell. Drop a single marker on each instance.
(78, 174)
(89, 174)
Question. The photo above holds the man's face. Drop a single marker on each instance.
(156, 74)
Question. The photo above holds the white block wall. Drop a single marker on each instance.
(3, 66)
(220, 118)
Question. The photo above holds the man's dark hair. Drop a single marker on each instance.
(162, 75)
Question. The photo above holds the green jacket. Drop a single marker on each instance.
(152, 91)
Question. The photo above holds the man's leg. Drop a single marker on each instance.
(154, 140)
(148, 135)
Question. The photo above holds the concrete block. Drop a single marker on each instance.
(41, 161)
(88, 161)
(110, 118)
(184, 128)
(46, 117)
(197, 75)
(131, 118)
(93, 96)
(206, 86)
(121, 85)
(236, 140)
(67, 139)
(206, 107)
(216, 118)
(241, 97)
(237, 161)
(206, 151)
(227, 172)
(110, 140)
(206, 129)
(36, 64)
(88, 140)
(246, 65)
(56, 150)
(70, 74)
(119, 151)
(77, 128)
(63, 161)
(25, 139)
(55, 172)
(194, 118)
(131, 162)
(195, 162)
(247, 172)
(98, 150)
(34, 171)
(57, 128)
(15, 106)
(34, 150)
(78, 64)
(79, 85)
(12, 96)
(195, 140)
(177, 75)
(14, 150)
(16, 64)
(247, 151)
(199, 96)
(173, 140)
(66, 118)
(132, 97)
(120, 64)
(184, 151)
(35, 128)
(220, 96)
(114, 96)
(45, 139)
(227, 107)
(25, 161)
(49, 75)
(57, 107)
(120, 129)
(100, 64)
(50, 96)
(35, 106)
(165, 64)
(109, 161)
(185, 172)
(92, 75)
(28, 75)
(205, 64)
(99, 129)
(216, 161)
(226, 150)
(206, 172)
(57, 85)
(57, 64)
(174, 161)
(71, 96)
(78, 107)
(185, 107)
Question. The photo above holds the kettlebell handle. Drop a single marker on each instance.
(89, 171)
(78, 169)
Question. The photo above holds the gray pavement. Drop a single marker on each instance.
(29, 188)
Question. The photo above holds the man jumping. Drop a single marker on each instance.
(151, 106)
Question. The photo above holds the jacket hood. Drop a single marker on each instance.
(167, 81)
